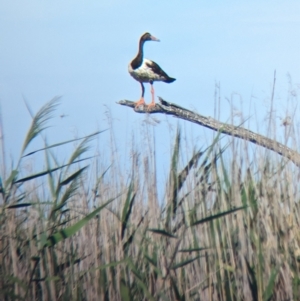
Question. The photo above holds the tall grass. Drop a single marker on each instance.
(227, 227)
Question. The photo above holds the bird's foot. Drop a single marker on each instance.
(150, 106)
(140, 102)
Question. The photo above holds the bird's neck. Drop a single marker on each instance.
(138, 60)
(141, 48)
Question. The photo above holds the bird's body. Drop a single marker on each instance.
(147, 71)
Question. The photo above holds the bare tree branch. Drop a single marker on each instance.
(211, 123)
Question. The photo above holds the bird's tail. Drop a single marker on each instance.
(169, 80)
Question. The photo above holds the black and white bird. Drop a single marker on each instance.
(147, 71)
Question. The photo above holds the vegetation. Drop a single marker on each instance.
(226, 229)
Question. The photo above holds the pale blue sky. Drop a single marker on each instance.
(81, 49)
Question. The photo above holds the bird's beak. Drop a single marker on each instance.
(154, 39)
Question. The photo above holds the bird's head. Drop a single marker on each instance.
(148, 37)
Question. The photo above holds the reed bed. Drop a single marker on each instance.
(226, 228)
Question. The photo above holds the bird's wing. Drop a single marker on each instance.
(156, 69)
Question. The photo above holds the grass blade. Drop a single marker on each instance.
(62, 143)
(43, 173)
(130, 239)
(268, 293)
(74, 176)
(162, 232)
(252, 281)
(18, 206)
(81, 149)
(127, 209)
(124, 291)
(193, 250)
(68, 232)
(218, 215)
(39, 121)
(183, 263)
(13, 175)
(173, 172)
(176, 290)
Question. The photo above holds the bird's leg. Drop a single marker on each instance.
(142, 100)
(152, 104)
